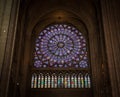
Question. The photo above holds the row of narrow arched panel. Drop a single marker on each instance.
(60, 80)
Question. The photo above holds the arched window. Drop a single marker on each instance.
(61, 57)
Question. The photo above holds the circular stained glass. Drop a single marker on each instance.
(60, 45)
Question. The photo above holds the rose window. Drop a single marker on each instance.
(61, 45)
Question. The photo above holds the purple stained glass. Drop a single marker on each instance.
(60, 46)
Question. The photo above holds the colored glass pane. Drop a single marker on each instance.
(42, 81)
(39, 81)
(46, 80)
(79, 81)
(68, 81)
(59, 46)
(82, 81)
(72, 81)
(89, 83)
(86, 81)
(61, 80)
(35, 81)
(65, 81)
(55, 82)
(75, 81)
(32, 81)
(49, 81)
(52, 81)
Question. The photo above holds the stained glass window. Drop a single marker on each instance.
(53, 81)
(65, 81)
(79, 81)
(61, 80)
(72, 81)
(34, 81)
(75, 80)
(60, 45)
(89, 82)
(68, 81)
(42, 81)
(46, 80)
(49, 80)
(39, 78)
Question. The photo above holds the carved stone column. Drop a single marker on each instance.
(111, 25)
(8, 22)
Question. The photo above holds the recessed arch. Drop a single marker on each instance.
(59, 16)
(51, 53)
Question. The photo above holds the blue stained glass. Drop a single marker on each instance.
(60, 80)
(42, 81)
(65, 82)
(75, 81)
(32, 81)
(86, 81)
(82, 81)
(55, 82)
(83, 64)
(72, 81)
(68, 81)
(39, 81)
(89, 82)
(76, 66)
(60, 44)
(65, 65)
(46, 80)
(35, 81)
(52, 81)
(79, 81)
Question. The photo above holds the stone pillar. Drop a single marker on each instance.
(8, 23)
(111, 24)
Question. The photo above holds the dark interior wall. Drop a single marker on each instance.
(110, 16)
(36, 14)
(98, 19)
(8, 24)
(88, 15)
